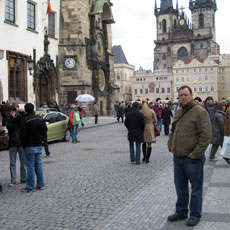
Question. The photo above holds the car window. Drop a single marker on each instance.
(59, 117)
(51, 118)
(63, 117)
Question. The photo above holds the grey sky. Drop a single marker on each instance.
(135, 28)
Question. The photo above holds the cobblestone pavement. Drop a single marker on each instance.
(92, 185)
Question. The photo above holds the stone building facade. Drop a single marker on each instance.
(85, 51)
(180, 39)
(123, 72)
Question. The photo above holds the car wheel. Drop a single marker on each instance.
(67, 135)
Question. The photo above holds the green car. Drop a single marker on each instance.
(57, 124)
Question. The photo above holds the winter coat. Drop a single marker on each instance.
(95, 110)
(166, 116)
(13, 124)
(227, 123)
(218, 128)
(149, 135)
(211, 110)
(192, 133)
(135, 124)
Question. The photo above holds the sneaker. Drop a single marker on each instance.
(41, 188)
(11, 184)
(213, 159)
(192, 222)
(26, 190)
(176, 217)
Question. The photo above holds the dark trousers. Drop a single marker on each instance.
(122, 118)
(185, 170)
(96, 119)
(45, 142)
(213, 151)
(166, 128)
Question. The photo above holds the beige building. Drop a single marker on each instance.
(142, 85)
(206, 77)
(123, 72)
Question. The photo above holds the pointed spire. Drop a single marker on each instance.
(177, 8)
(166, 4)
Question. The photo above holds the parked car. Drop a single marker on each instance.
(58, 125)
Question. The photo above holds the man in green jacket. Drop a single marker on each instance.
(189, 138)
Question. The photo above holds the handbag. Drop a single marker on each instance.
(157, 131)
(225, 150)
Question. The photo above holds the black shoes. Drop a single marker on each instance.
(192, 222)
(176, 217)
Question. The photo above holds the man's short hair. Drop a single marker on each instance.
(185, 87)
(29, 107)
(135, 105)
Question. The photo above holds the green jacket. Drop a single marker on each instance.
(192, 133)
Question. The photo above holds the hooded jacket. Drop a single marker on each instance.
(192, 133)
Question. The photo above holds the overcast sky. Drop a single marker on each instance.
(135, 28)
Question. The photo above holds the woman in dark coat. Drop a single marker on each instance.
(217, 130)
(166, 116)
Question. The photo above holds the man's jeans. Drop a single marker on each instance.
(138, 152)
(13, 157)
(185, 170)
(33, 157)
(74, 133)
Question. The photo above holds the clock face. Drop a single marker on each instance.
(70, 63)
(99, 47)
(182, 22)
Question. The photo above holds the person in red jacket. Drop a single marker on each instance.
(75, 120)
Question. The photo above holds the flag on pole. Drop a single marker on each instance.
(48, 8)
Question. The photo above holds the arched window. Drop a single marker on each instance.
(201, 20)
(182, 54)
(164, 25)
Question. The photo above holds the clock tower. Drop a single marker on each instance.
(85, 51)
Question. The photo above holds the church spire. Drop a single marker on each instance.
(166, 5)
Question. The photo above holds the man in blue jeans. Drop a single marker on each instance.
(190, 136)
(32, 132)
(135, 124)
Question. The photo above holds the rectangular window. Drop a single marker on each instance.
(200, 88)
(30, 15)
(206, 69)
(200, 78)
(223, 88)
(206, 78)
(135, 91)
(182, 71)
(206, 88)
(194, 79)
(194, 70)
(188, 71)
(194, 89)
(177, 71)
(157, 90)
(182, 79)
(212, 88)
(200, 70)
(177, 89)
(51, 24)
(223, 78)
(168, 90)
(188, 79)
(141, 91)
(211, 69)
(10, 10)
(177, 79)
(212, 78)
(146, 91)
(223, 69)
(162, 90)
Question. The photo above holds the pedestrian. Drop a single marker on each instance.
(75, 120)
(227, 129)
(149, 135)
(116, 107)
(217, 130)
(135, 124)
(120, 112)
(190, 136)
(159, 109)
(67, 109)
(128, 108)
(210, 107)
(96, 111)
(13, 124)
(5, 111)
(45, 139)
(55, 105)
(166, 117)
(32, 132)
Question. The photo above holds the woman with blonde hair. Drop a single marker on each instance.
(149, 135)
